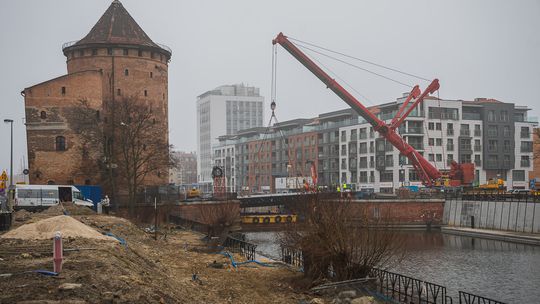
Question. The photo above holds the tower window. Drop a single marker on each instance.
(152, 55)
(151, 75)
(145, 93)
(140, 53)
(94, 52)
(126, 52)
(81, 53)
(43, 115)
(63, 90)
(126, 72)
(109, 51)
(60, 143)
(98, 115)
(118, 92)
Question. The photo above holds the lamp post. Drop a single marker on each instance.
(10, 121)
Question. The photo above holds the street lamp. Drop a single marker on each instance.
(10, 121)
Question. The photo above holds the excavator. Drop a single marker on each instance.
(430, 176)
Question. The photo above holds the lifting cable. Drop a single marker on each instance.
(359, 59)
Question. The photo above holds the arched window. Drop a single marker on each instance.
(60, 143)
(51, 182)
(43, 115)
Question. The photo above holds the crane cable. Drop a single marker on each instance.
(359, 59)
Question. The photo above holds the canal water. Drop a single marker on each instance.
(499, 270)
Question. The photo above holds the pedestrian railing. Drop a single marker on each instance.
(244, 248)
(401, 288)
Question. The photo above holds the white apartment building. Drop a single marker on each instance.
(224, 157)
(495, 136)
(224, 111)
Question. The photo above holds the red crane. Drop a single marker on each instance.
(427, 172)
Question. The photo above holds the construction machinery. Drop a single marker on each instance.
(429, 174)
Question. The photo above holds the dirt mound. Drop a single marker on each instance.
(70, 208)
(46, 228)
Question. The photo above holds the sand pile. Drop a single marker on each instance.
(71, 209)
(45, 229)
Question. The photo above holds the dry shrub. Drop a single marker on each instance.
(341, 240)
(220, 218)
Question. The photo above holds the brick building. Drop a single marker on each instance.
(115, 60)
(185, 171)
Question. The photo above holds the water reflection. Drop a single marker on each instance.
(504, 271)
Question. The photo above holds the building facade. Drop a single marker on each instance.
(497, 137)
(225, 110)
(185, 170)
(115, 60)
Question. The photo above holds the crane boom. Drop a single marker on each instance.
(428, 173)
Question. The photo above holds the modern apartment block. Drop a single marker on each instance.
(495, 136)
(225, 110)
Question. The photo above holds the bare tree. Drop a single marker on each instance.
(141, 146)
(221, 218)
(339, 240)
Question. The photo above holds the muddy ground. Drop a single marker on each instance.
(142, 271)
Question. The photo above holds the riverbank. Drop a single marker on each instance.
(499, 235)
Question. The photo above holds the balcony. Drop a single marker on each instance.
(415, 130)
(417, 146)
(465, 132)
(465, 147)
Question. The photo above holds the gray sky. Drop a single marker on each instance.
(476, 49)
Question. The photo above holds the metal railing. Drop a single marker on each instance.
(406, 289)
(398, 287)
(469, 298)
(244, 248)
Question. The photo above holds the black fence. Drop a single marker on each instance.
(244, 248)
(401, 288)
(405, 289)
(468, 298)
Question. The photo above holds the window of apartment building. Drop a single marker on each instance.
(363, 162)
(438, 142)
(43, 115)
(354, 134)
(389, 161)
(363, 177)
(431, 157)
(363, 147)
(465, 144)
(387, 176)
(519, 116)
(449, 158)
(450, 144)
(506, 160)
(477, 160)
(525, 161)
(60, 143)
(526, 146)
(431, 142)
(343, 149)
(493, 131)
(525, 132)
(477, 131)
(363, 133)
(344, 163)
(477, 145)
(438, 126)
(343, 177)
(491, 115)
(343, 135)
(413, 176)
(431, 126)
(465, 158)
(506, 131)
(465, 130)
(492, 145)
(504, 115)
(450, 129)
(438, 157)
(518, 175)
(507, 146)
(353, 177)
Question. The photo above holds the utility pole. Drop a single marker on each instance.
(10, 121)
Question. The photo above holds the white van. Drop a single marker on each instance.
(42, 196)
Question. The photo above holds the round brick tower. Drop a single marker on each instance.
(131, 64)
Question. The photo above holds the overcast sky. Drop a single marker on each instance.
(476, 49)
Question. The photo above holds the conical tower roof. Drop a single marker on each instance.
(116, 27)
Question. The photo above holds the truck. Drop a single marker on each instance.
(44, 196)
